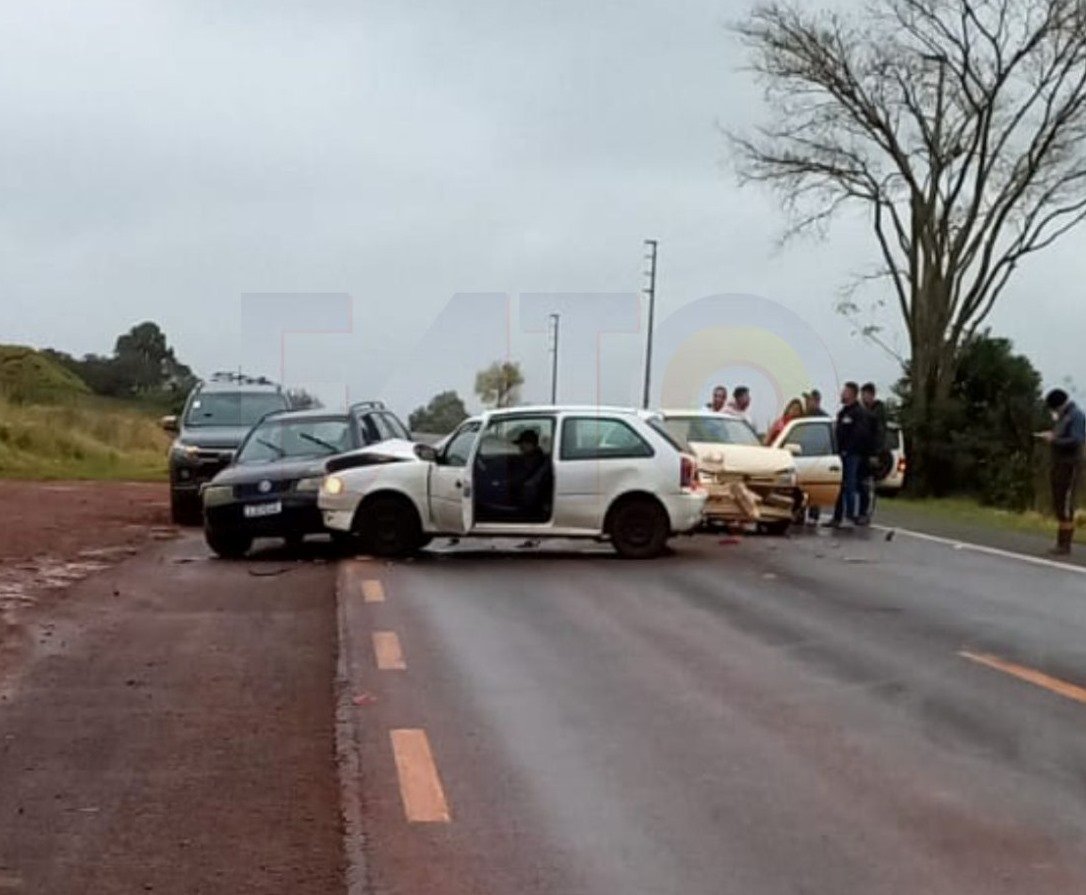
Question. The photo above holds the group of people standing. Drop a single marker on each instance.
(860, 432)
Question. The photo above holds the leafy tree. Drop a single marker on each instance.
(441, 415)
(956, 126)
(985, 447)
(143, 365)
(499, 384)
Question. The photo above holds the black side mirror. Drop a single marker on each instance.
(425, 453)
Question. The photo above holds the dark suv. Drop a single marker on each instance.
(218, 415)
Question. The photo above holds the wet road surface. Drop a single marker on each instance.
(763, 717)
(819, 714)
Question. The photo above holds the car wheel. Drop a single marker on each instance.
(345, 543)
(389, 526)
(184, 510)
(228, 546)
(639, 529)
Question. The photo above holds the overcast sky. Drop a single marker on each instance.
(163, 160)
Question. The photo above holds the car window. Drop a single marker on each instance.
(710, 430)
(281, 439)
(500, 437)
(600, 438)
(394, 425)
(814, 439)
(370, 433)
(458, 449)
(232, 408)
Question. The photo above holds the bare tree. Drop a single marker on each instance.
(957, 125)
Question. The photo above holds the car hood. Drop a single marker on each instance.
(395, 449)
(214, 436)
(276, 471)
(746, 459)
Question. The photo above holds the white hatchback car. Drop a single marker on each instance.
(566, 472)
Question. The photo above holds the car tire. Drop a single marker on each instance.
(184, 510)
(639, 528)
(389, 526)
(228, 546)
(345, 543)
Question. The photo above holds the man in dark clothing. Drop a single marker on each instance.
(1067, 438)
(875, 407)
(853, 431)
(812, 403)
(532, 482)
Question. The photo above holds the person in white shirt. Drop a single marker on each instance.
(739, 403)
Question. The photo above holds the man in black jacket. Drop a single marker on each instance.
(1067, 438)
(853, 430)
(875, 407)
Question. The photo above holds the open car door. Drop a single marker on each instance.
(818, 466)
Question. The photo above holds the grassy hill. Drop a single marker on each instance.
(27, 376)
(52, 427)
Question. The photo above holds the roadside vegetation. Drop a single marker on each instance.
(967, 512)
(53, 427)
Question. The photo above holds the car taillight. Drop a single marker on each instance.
(901, 465)
(688, 473)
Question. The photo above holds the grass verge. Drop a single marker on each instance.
(84, 438)
(967, 512)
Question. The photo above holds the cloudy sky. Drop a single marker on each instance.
(185, 161)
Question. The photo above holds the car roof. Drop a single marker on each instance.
(312, 414)
(561, 408)
(697, 411)
(235, 388)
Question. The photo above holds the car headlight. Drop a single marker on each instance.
(217, 495)
(185, 451)
(308, 485)
(333, 485)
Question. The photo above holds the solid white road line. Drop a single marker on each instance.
(990, 551)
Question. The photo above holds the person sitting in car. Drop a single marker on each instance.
(532, 480)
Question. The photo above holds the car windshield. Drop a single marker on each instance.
(282, 439)
(709, 430)
(233, 408)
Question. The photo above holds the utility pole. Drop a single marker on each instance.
(650, 291)
(556, 320)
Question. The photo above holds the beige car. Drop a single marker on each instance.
(747, 481)
(811, 442)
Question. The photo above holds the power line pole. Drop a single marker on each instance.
(556, 320)
(650, 291)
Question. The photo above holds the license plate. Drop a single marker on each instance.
(257, 510)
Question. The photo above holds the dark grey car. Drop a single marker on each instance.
(218, 414)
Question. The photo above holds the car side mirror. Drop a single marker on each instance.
(794, 449)
(426, 453)
(169, 423)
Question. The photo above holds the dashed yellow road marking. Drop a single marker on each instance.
(373, 591)
(1030, 675)
(420, 786)
(386, 647)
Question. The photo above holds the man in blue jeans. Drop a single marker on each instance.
(853, 430)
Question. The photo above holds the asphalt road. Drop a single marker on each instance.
(827, 715)
(763, 717)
